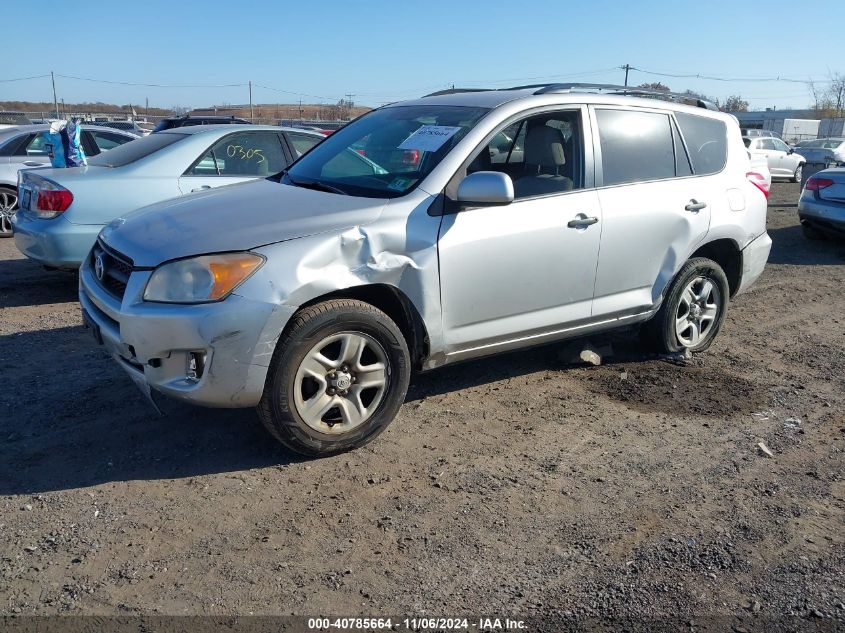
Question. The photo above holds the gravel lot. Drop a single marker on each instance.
(516, 485)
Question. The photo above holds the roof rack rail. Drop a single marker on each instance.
(616, 89)
(452, 91)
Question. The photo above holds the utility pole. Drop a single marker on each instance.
(300, 110)
(55, 101)
(349, 96)
(147, 107)
(250, 100)
(626, 68)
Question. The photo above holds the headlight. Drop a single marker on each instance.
(201, 279)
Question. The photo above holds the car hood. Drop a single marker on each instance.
(233, 218)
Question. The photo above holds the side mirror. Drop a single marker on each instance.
(485, 189)
(791, 150)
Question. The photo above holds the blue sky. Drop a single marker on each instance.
(384, 51)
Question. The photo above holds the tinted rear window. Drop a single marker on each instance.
(707, 142)
(635, 146)
(135, 150)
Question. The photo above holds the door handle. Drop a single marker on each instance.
(203, 188)
(695, 206)
(581, 221)
(32, 163)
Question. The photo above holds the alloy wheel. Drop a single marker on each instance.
(697, 311)
(8, 207)
(340, 382)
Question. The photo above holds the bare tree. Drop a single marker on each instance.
(828, 100)
(735, 103)
(655, 85)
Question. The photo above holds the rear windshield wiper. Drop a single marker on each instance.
(316, 185)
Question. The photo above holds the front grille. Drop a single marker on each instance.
(115, 272)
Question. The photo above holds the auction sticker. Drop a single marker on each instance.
(429, 138)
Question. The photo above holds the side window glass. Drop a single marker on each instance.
(767, 144)
(635, 146)
(682, 164)
(34, 145)
(107, 140)
(246, 154)
(301, 143)
(780, 145)
(707, 142)
(542, 154)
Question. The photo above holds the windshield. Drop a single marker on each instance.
(385, 153)
(135, 150)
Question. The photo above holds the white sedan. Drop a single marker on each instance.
(782, 160)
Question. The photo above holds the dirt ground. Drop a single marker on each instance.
(519, 485)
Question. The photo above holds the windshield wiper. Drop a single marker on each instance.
(316, 185)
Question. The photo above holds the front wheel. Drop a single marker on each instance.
(799, 171)
(337, 379)
(693, 309)
(8, 207)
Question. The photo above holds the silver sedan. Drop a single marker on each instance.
(22, 147)
(62, 210)
(821, 207)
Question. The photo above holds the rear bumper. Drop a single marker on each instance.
(754, 258)
(154, 342)
(826, 215)
(57, 242)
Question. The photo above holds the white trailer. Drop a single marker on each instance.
(794, 130)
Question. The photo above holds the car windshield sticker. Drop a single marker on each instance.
(400, 184)
(429, 138)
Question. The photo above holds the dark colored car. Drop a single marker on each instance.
(182, 121)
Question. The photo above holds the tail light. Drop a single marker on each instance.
(411, 157)
(759, 181)
(816, 184)
(49, 198)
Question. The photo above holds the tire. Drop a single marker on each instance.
(811, 232)
(356, 339)
(668, 332)
(8, 206)
(796, 177)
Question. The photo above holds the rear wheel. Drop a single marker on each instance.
(693, 309)
(337, 379)
(8, 207)
(796, 177)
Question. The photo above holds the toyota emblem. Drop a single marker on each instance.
(99, 266)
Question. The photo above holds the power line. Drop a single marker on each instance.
(299, 94)
(25, 78)
(729, 79)
(131, 83)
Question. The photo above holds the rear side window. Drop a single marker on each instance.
(301, 143)
(635, 146)
(707, 142)
(136, 150)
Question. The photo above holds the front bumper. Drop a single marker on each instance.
(754, 258)
(827, 215)
(153, 342)
(57, 242)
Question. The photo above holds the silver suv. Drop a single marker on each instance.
(479, 222)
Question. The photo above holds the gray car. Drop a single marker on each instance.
(821, 207)
(22, 147)
(823, 150)
(482, 222)
(62, 210)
